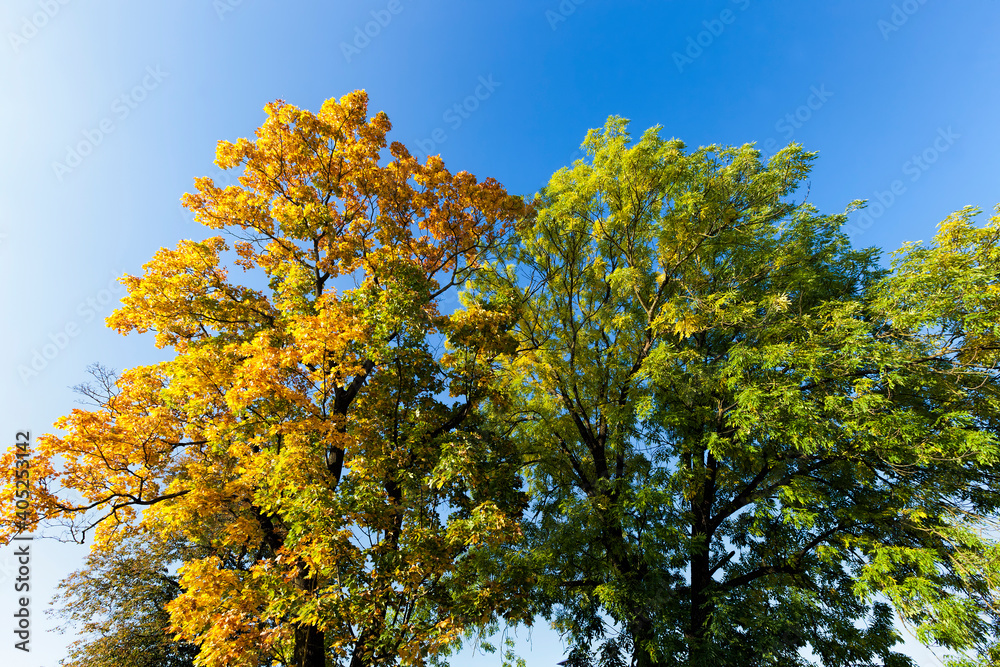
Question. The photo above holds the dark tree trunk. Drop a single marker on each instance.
(365, 647)
(702, 531)
(310, 643)
(701, 605)
(642, 634)
(310, 647)
(638, 620)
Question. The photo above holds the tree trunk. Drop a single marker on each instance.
(638, 621)
(310, 643)
(310, 647)
(701, 607)
(363, 652)
(701, 564)
(642, 634)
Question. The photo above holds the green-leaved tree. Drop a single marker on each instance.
(748, 443)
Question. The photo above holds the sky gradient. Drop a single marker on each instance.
(111, 109)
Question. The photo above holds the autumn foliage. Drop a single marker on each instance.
(316, 435)
(664, 405)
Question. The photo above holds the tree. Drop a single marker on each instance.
(119, 598)
(119, 601)
(745, 437)
(319, 420)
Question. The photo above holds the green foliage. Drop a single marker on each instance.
(744, 442)
(118, 602)
(742, 435)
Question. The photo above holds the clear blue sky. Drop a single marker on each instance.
(110, 110)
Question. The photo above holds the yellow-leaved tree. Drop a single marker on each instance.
(316, 433)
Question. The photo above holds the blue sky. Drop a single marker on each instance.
(112, 108)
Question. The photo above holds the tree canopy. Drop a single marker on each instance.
(324, 423)
(745, 437)
(118, 600)
(674, 411)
